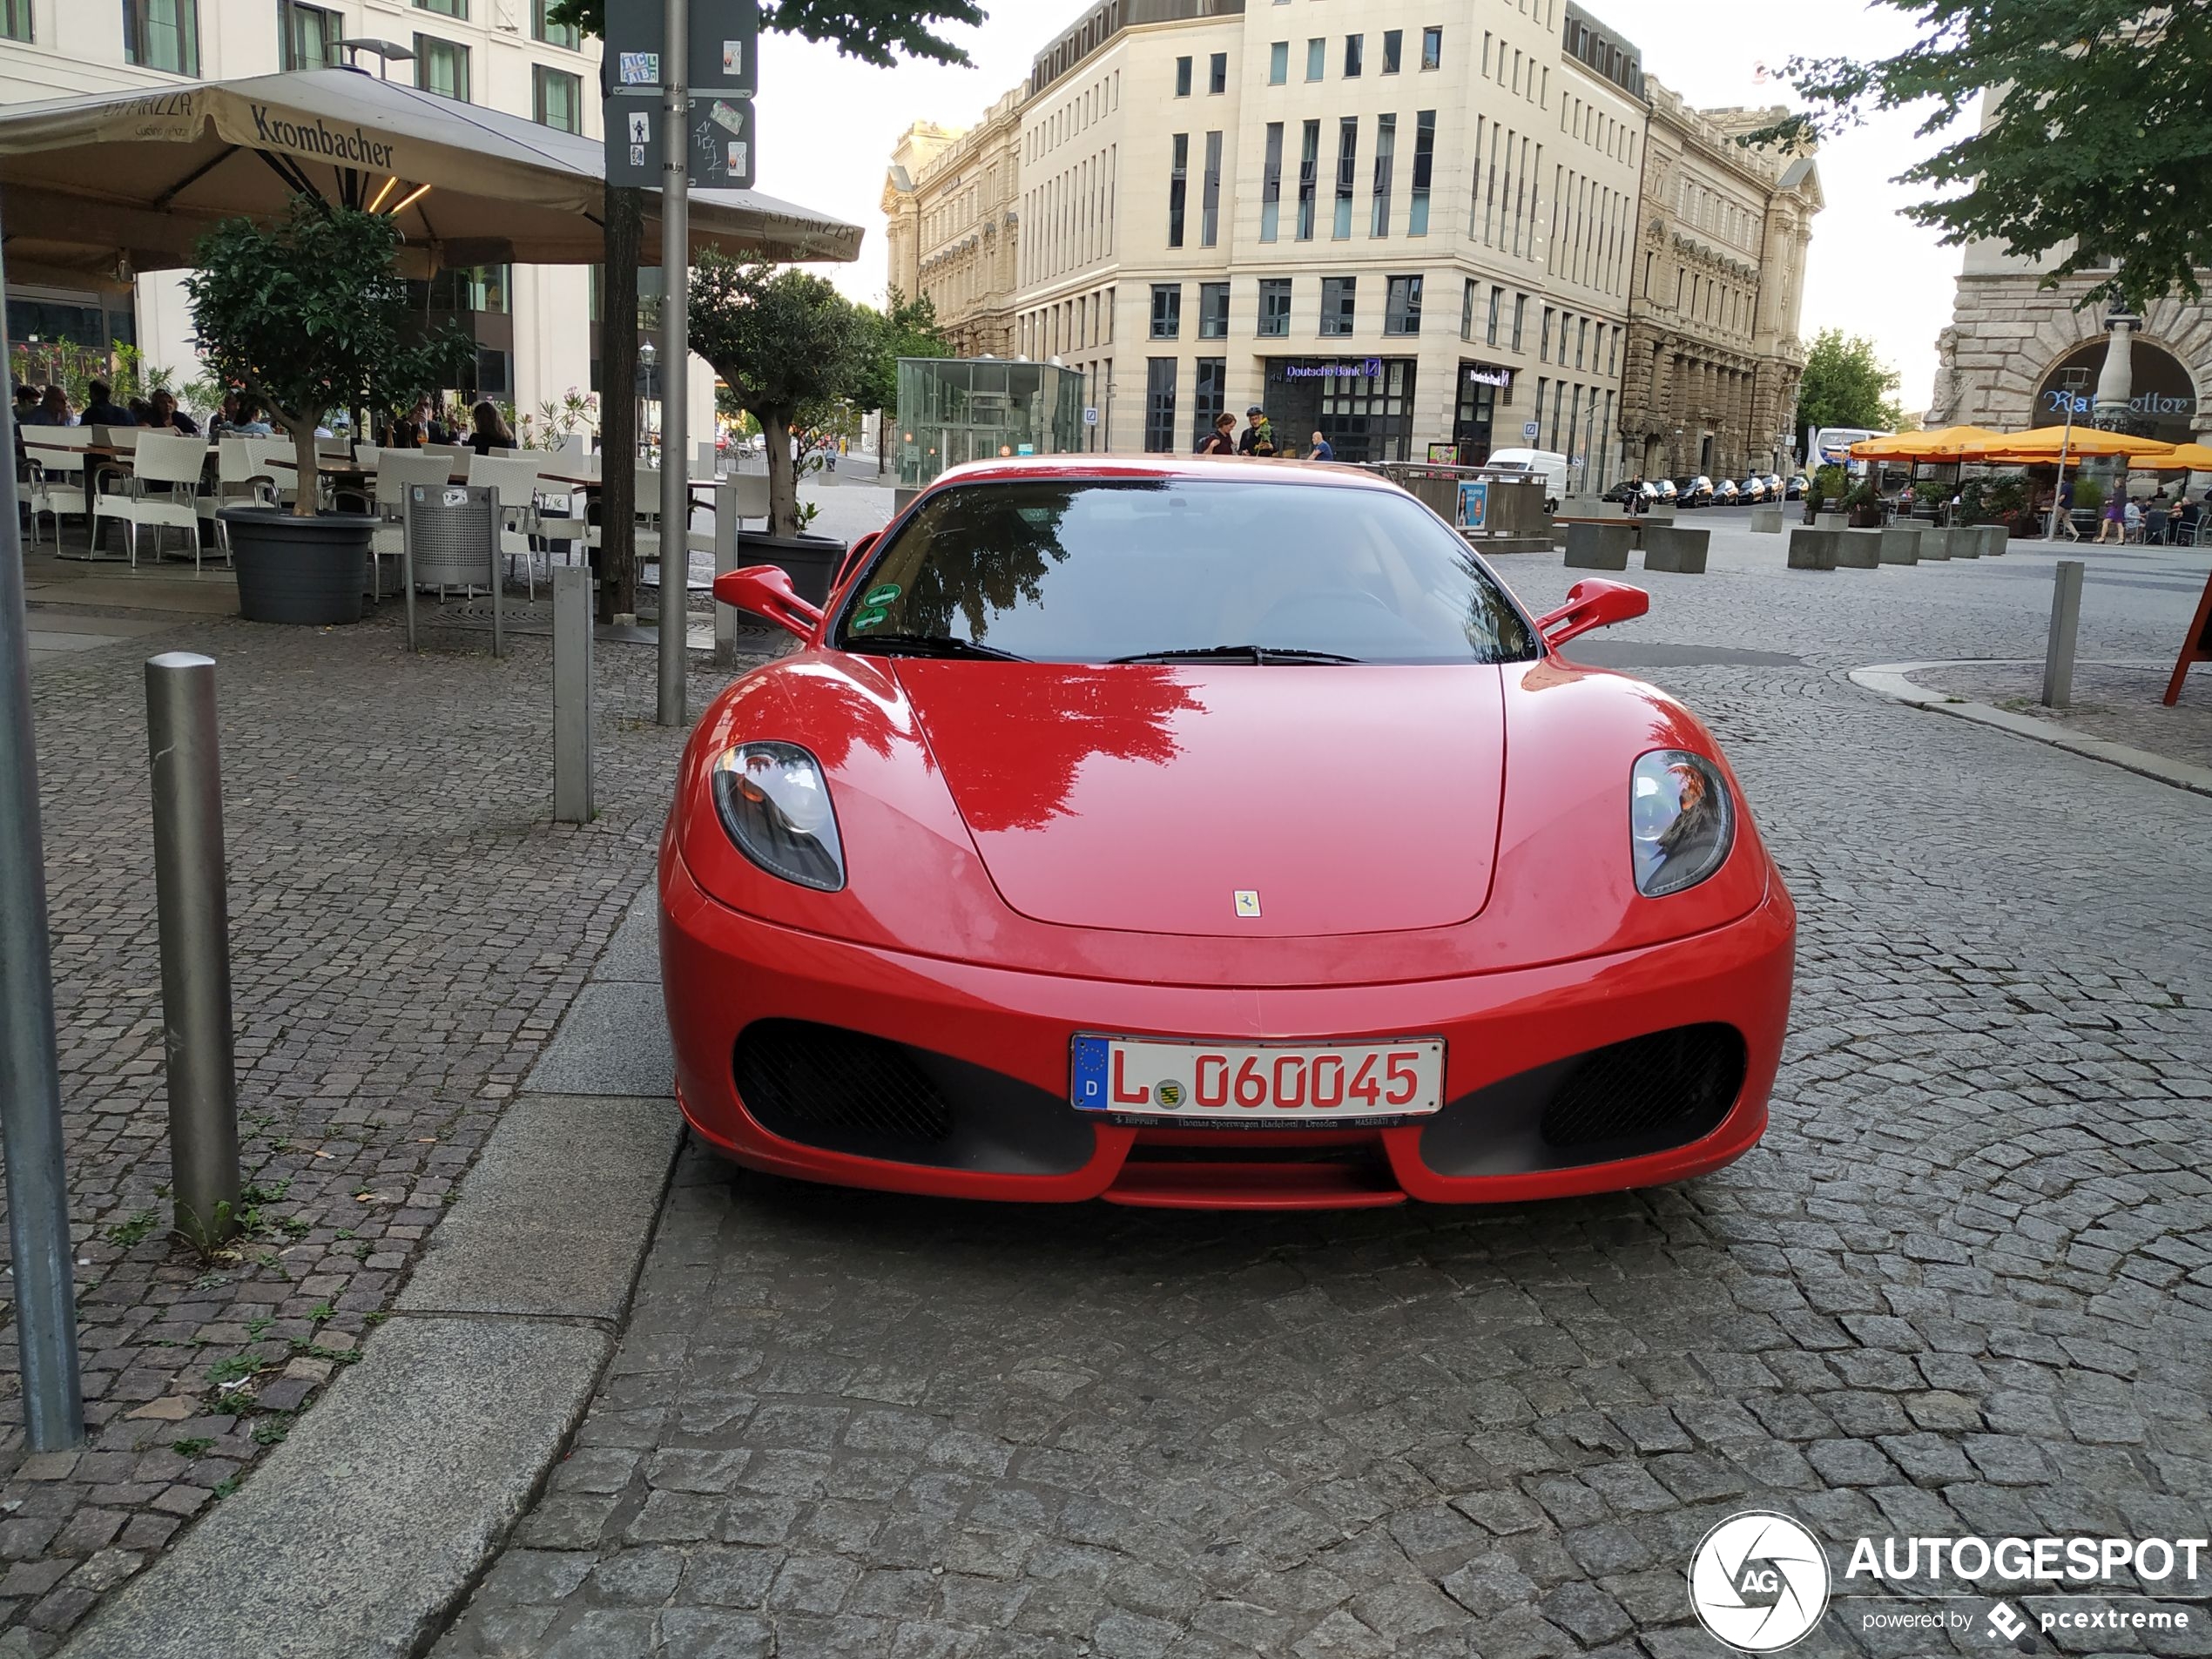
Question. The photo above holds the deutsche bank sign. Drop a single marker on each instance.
(1369, 370)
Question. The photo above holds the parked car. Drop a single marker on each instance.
(1628, 490)
(1662, 488)
(1795, 490)
(1724, 492)
(975, 893)
(1694, 490)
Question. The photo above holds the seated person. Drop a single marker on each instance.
(52, 410)
(490, 432)
(164, 414)
(102, 409)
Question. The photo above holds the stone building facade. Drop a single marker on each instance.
(1713, 353)
(952, 227)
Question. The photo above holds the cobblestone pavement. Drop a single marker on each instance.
(407, 927)
(1964, 1287)
(2118, 702)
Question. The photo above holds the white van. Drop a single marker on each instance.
(1550, 462)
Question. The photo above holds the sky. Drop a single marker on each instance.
(827, 125)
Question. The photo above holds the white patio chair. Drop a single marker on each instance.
(239, 481)
(58, 477)
(397, 470)
(161, 492)
(515, 483)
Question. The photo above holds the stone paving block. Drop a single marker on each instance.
(1599, 547)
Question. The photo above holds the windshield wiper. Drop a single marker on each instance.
(929, 645)
(1261, 655)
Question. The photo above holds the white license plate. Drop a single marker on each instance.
(1246, 1082)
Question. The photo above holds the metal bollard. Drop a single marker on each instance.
(2065, 623)
(725, 560)
(195, 942)
(572, 695)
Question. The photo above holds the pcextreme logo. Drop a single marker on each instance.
(1759, 1581)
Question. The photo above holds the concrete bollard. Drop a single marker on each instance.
(1831, 521)
(1766, 521)
(572, 786)
(1965, 543)
(1992, 539)
(1662, 510)
(1936, 543)
(1599, 547)
(1858, 549)
(192, 900)
(1681, 551)
(1812, 548)
(1901, 544)
(2066, 624)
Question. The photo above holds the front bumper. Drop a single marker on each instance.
(724, 971)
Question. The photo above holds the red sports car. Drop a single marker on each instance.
(1209, 833)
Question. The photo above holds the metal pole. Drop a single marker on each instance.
(725, 560)
(31, 1097)
(2059, 488)
(2066, 623)
(572, 695)
(675, 355)
(190, 895)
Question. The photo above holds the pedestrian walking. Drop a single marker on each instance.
(2065, 511)
(1222, 440)
(2112, 523)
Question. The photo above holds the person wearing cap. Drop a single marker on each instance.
(1259, 437)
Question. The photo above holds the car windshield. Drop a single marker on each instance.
(1065, 570)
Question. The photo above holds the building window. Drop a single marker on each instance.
(1402, 307)
(1271, 185)
(1581, 340)
(1355, 51)
(446, 8)
(162, 34)
(1159, 405)
(1339, 304)
(1207, 397)
(14, 20)
(1213, 311)
(1394, 49)
(1218, 75)
(1519, 319)
(1497, 305)
(553, 34)
(441, 66)
(1347, 172)
(1278, 62)
(308, 36)
(1167, 311)
(1317, 58)
(1182, 78)
(1308, 179)
(1178, 187)
(1424, 170)
(556, 98)
(1209, 197)
(494, 376)
(1385, 173)
(1544, 339)
(1431, 49)
(1274, 306)
(1466, 308)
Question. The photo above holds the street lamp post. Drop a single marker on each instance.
(2071, 380)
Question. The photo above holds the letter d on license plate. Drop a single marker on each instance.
(1312, 1083)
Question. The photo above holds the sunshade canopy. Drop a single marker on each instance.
(142, 177)
(2047, 443)
(1947, 443)
(2197, 457)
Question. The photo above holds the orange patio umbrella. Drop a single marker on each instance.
(2048, 442)
(1945, 444)
(2195, 457)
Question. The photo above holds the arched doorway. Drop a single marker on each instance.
(2162, 404)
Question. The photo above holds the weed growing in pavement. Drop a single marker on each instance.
(232, 1367)
(312, 1350)
(196, 1446)
(131, 1228)
(271, 1431)
(223, 1488)
(319, 1313)
(258, 1324)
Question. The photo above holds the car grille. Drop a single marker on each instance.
(1628, 1090)
(806, 1082)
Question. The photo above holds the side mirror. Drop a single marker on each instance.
(857, 552)
(1592, 604)
(764, 589)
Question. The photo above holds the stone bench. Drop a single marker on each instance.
(1901, 544)
(1599, 547)
(1813, 549)
(1766, 521)
(1681, 551)
(1858, 549)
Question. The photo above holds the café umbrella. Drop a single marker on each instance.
(1945, 444)
(104, 187)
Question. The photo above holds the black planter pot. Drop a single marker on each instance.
(305, 570)
(811, 562)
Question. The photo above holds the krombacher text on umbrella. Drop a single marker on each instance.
(320, 140)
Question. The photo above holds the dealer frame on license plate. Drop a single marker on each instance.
(1209, 1082)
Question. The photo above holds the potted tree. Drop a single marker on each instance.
(307, 315)
(787, 345)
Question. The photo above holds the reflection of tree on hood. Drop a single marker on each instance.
(988, 550)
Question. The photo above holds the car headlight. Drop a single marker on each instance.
(775, 804)
(1681, 820)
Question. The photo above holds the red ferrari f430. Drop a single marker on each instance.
(1209, 833)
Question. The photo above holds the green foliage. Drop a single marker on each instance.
(1828, 483)
(1984, 500)
(195, 1446)
(2089, 495)
(131, 1228)
(1845, 384)
(308, 315)
(2091, 153)
(74, 368)
(875, 31)
(785, 343)
(231, 1367)
(903, 328)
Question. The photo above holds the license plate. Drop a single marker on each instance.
(1319, 1083)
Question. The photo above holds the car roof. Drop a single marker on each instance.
(1081, 469)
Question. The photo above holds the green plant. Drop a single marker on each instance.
(231, 1367)
(223, 1488)
(2088, 494)
(257, 1325)
(197, 1446)
(131, 1228)
(309, 315)
(271, 1430)
(320, 1311)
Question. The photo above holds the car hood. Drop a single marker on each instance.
(1344, 799)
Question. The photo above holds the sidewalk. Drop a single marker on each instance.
(408, 929)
